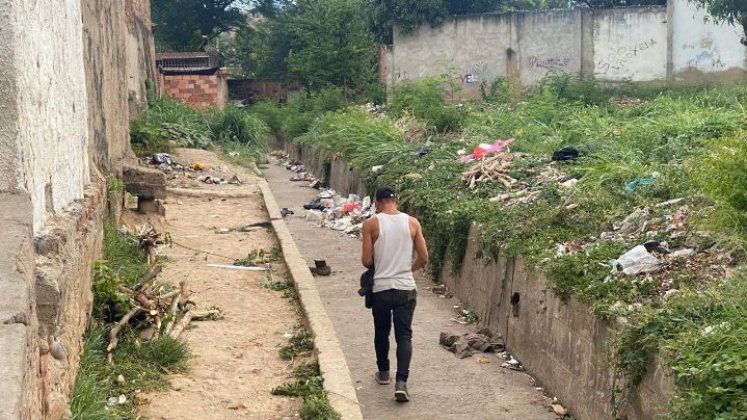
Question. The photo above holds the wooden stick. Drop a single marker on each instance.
(114, 332)
(147, 277)
(174, 308)
(189, 317)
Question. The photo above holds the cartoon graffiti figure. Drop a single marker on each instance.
(708, 56)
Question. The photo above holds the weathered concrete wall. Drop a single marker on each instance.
(701, 47)
(547, 41)
(141, 58)
(105, 39)
(560, 343)
(630, 44)
(19, 358)
(51, 104)
(63, 129)
(636, 43)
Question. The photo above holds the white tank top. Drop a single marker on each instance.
(393, 254)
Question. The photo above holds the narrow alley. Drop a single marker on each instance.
(442, 386)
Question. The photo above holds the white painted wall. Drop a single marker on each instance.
(471, 49)
(630, 44)
(546, 42)
(51, 101)
(623, 44)
(701, 45)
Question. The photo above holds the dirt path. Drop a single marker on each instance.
(441, 386)
(235, 360)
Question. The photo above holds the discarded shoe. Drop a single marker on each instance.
(286, 212)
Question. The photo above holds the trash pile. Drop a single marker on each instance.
(374, 109)
(329, 209)
(181, 175)
(345, 214)
(523, 184)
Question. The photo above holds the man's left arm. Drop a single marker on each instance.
(421, 249)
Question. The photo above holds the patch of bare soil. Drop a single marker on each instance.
(235, 362)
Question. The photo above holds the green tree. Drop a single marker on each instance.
(184, 23)
(730, 11)
(329, 44)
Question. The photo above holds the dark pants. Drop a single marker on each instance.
(401, 304)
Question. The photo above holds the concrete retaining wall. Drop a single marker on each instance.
(68, 72)
(560, 343)
(623, 44)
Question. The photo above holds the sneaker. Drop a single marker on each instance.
(382, 377)
(400, 392)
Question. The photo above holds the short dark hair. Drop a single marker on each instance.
(385, 193)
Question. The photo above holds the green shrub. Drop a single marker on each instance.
(720, 174)
(424, 99)
(271, 113)
(235, 125)
(363, 140)
(303, 108)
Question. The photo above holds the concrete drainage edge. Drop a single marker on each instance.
(334, 368)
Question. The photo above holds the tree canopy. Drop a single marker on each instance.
(730, 11)
(184, 23)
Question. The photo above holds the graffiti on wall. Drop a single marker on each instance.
(476, 73)
(706, 54)
(617, 59)
(548, 63)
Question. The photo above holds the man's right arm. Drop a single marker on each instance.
(367, 237)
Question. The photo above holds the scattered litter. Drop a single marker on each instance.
(631, 186)
(683, 253)
(512, 364)
(211, 179)
(238, 267)
(199, 166)
(638, 261)
(284, 212)
(483, 150)
(161, 158)
(235, 180)
(671, 202)
(566, 153)
(468, 344)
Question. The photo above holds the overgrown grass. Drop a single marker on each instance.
(301, 344)
(308, 384)
(142, 366)
(689, 140)
(167, 123)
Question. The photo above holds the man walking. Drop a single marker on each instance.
(393, 244)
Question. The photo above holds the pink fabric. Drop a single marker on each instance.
(481, 151)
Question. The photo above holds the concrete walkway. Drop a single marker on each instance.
(441, 386)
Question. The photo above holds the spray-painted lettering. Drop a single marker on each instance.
(549, 62)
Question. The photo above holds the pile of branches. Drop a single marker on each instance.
(494, 168)
(165, 314)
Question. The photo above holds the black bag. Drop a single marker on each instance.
(366, 290)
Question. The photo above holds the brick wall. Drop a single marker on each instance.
(198, 90)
